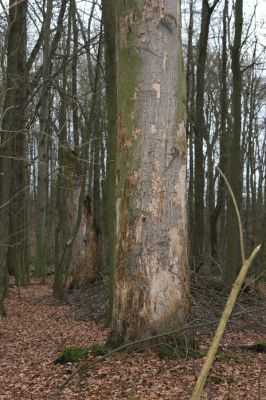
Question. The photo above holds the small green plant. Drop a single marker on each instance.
(72, 354)
(165, 350)
(50, 270)
(99, 349)
(230, 357)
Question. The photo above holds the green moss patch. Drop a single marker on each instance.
(72, 354)
(99, 349)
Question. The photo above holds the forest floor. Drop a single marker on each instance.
(38, 328)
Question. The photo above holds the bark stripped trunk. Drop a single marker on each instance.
(151, 291)
(85, 254)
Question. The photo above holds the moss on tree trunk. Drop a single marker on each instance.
(151, 281)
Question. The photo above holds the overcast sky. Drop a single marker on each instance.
(248, 10)
(260, 15)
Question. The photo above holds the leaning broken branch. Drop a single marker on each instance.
(237, 214)
(221, 327)
(229, 305)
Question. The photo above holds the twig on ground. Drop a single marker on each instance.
(86, 364)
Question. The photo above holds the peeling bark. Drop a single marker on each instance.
(85, 254)
(151, 293)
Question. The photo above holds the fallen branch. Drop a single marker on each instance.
(221, 327)
(86, 364)
(126, 346)
(229, 305)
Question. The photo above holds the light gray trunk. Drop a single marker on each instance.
(151, 293)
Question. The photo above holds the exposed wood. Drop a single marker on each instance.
(151, 289)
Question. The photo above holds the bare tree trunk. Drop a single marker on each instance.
(111, 95)
(95, 117)
(85, 254)
(96, 188)
(234, 171)
(190, 80)
(85, 258)
(41, 205)
(14, 123)
(261, 272)
(219, 209)
(63, 246)
(262, 269)
(200, 131)
(62, 230)
(151, 291)
(74, 78)
(5, 169)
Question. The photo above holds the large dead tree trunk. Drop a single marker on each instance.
(151, 291)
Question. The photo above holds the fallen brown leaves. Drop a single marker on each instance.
(38, 328)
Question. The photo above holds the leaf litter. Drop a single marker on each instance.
(38, 328)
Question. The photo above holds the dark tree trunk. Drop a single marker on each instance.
(200, 132)
(43, 138)
(109, 207)
(233, 260)
(14, 130)
(219, 209)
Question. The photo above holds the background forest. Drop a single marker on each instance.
(54, 138)
(60, 144)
